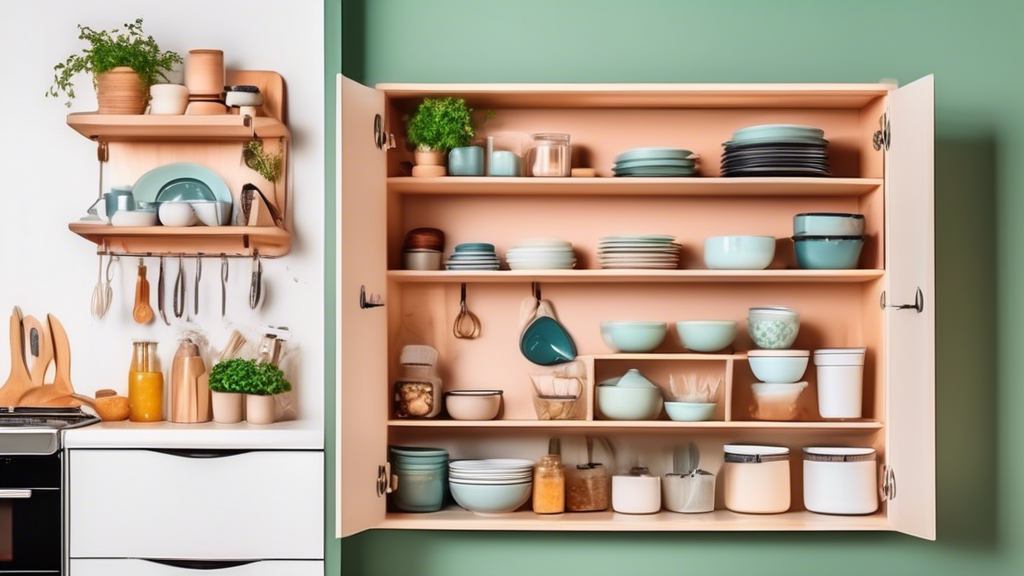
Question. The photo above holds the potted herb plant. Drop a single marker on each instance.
(123, 63)
(439, 125)
(260, 404)
(228, 383)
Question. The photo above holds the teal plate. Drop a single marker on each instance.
(152, 183)
(777, 131)
(664, 162)
(184, 190)
(654, 153)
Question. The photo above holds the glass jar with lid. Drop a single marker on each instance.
(418, 387)
(587, 488)
(756, 479)
(549, 485)
(549, 155)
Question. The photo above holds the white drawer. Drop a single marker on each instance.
(195, 505)
(125, 567)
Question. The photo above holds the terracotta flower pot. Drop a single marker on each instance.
(260, 409)
(121, 91)
(227, 407)
(429, 164)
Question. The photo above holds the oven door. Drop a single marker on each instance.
(30, 515)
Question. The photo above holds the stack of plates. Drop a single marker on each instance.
(776, 150)
(654, 252)
(473, 256)
(655, 162)
(541, 254)
(496, 486)
(493, 471)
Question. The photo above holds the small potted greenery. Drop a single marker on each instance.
(123, 63)
(439, 125)
(231, 379)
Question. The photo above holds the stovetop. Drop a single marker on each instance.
(45, 418)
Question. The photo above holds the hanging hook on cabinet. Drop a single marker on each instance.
(467, 325)
(371, 301)
(535, 290)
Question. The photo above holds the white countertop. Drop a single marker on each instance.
(287, 435)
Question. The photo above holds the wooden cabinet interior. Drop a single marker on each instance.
(838, 308)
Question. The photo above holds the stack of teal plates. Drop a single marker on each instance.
(473, 256)
(656, 162)
(776, 150)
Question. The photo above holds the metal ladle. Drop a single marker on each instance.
(467, 325)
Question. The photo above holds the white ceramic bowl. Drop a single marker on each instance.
(491, 498)
(778, 366)
(177, 214)
(464, 405)
(168, 99)
(213, 213)
(739, 252)
(690, 411)
(133, 218)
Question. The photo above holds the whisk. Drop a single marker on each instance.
(467, 325)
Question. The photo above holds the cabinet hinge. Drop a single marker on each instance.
(381, 139)
(883, 136)
(917, 305)
(888, 483)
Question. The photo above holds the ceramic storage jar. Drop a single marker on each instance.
(756, 479)
(636, 493)
(840, 480)
(840, 381)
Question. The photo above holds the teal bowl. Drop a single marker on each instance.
(690, 411)
(420, 490)
(828, 252)
(629, 403)
(706, 335)
(491, 498)
(739, 252)
(778, 369)
(633, 336)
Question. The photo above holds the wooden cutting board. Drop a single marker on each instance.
(39, 347)
(60, 392)
(19, 382)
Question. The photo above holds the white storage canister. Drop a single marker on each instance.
(636, 493)
(840, 381)
(756, 479)
(840, 480)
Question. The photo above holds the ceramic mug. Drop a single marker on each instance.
(204, 73)
(168, 99)
(466, 161)
(119, 198)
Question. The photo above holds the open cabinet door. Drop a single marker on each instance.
(909, 302)
(361, 325)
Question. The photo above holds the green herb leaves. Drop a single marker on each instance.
(441, 124)
(247, 377)
(263, 163)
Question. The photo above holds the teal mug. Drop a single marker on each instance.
(119, 198)
(466, 161)
(505, 163)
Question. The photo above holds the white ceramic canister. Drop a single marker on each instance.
(168, 99)
(756, 479)
(840, 381)
(840, 480)
(692, 493)
(636, 493)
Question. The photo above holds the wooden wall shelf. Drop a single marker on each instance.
(696, 186)
(212, 240)
(114, 128)
(637, 276)
(711, 425)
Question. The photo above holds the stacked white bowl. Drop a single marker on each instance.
(541, 254)
(495, 486)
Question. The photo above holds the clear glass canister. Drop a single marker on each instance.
(145, 384)
(550, 155)
(549, 485)
(587, 488)
(418, 387)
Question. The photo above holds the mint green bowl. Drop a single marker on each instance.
(617, 403)
(690, 411)
(706, 335)
(491, 498)
(627, 336)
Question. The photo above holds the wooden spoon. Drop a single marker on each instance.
(19, 382)
(143, 312)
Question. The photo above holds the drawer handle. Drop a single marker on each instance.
(202, 564)
(201, 454)
(13, 494)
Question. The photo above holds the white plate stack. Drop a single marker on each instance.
(645, 252)
(541, 254)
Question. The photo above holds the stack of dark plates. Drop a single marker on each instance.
(655, 162)
(776, 150)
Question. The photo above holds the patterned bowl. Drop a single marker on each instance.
(773, 327)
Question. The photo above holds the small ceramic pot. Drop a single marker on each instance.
(429, 157)
(204, 73)
(227, 407)
(466, 161)
(168, 99)
(260, 409)
(120, 91)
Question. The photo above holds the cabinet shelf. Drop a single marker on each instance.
(455, 518)
(111, 128)
(457, 186)
(271, 241)
(818, 427)
(640, 276)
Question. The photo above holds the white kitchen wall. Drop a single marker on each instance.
(50, 178)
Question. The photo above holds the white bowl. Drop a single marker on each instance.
(473, 406)
(177, 214)
(133, 219)
(213, 213)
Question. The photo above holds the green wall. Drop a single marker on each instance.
(332, 67)
(974, 50)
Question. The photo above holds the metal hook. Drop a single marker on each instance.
(373, 301)
(535, 289)
(917, 305)
(467, 325)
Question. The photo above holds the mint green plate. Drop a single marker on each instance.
(653, 153)
(182, 181)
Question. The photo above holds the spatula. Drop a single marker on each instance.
(61, 392)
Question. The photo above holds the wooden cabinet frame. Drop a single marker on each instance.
(882, 155)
